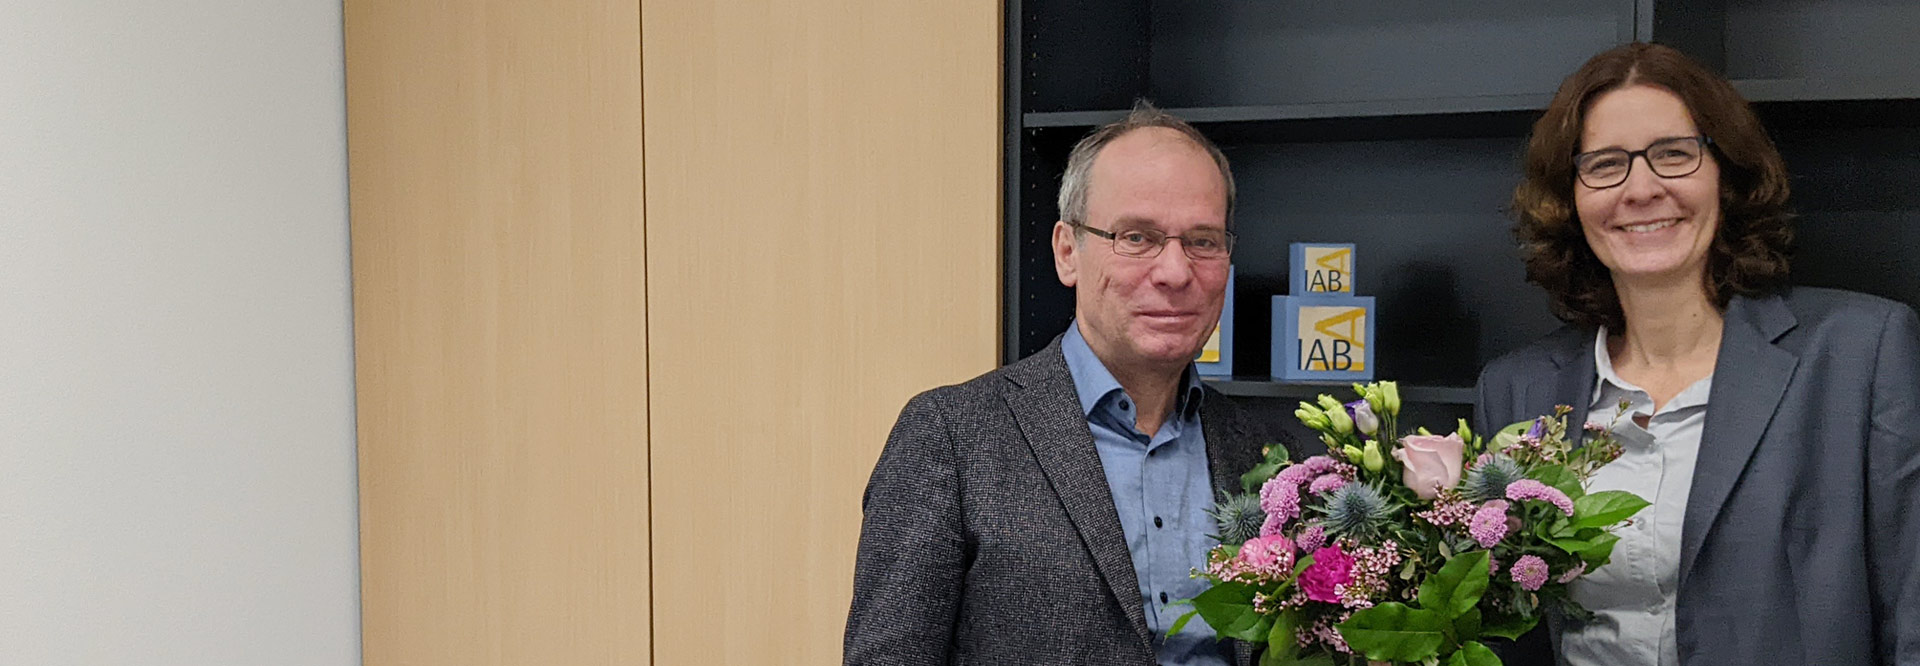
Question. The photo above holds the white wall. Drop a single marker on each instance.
(177, 477)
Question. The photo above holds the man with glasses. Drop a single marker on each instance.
(1050, 512)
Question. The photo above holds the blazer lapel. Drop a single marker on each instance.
(1749, 377)
(1231, 450)
(1573, 383)
(1047, 409)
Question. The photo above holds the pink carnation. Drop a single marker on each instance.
(1327, 483)
(1529, 489)
(1529, 571)
(1270, 557)
(1331, 569)
(1489, 524)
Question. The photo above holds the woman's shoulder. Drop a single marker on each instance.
(1823, 308)
(1567, 343)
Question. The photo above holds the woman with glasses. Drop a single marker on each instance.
(1775, 429)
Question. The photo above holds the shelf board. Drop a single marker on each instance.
(1316, 111)
(1828, 89)
(1263, 387)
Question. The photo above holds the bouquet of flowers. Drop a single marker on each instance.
(1408, 549)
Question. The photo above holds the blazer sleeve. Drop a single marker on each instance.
(910, 566)
(1893, 493)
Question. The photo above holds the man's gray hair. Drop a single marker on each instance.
(1073, 185)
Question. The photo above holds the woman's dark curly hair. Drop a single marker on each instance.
(1750, 252)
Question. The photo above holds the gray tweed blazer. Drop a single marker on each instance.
(990, 536)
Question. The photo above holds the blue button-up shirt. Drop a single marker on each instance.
(1161, 488)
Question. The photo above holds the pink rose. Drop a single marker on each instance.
(1269, 556)
(1430, 463)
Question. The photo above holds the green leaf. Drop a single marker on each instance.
(1301, 565)
(1281, 640)
(1570, 545)
(1395, 632)
(1258, 476)
(1182, 622)
(1457, 587)
(1509, 628)
(1228, 608)
(1508, 435)
(1560, 528)
(1467, 626)
(1271, 658)
(1601, 552)
(1276, 453)
(1560, 478)
(1605, 508)
(1474, 654)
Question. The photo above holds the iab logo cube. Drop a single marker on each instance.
(1321, 268)
(1322, 338)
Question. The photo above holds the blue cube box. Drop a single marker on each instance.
(1320, 268)
(1216, 358)
(1322, 338)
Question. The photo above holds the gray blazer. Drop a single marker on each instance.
(990, 536)
(1801, 541)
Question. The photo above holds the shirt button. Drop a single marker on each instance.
(1156, 521)
(1163, 597)
(1124, 405)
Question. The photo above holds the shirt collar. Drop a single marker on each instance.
(1692, 396)
(1095, 383)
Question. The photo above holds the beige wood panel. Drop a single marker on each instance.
(499, 299)
(822, 223)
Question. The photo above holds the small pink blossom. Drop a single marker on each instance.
(1280, 499)
(1320, 464)
(1448, 510)
(1529, 571)
(1312, 538)
(1297, 474)
(1327, 483)
(1489, 524)
(1572, 573)
(1529, 489)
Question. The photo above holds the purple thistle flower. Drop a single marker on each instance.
(1572, 573)
(1312, 538)
(1529, 489)
(1489, 524)
(1529, 571)
(1327, 483)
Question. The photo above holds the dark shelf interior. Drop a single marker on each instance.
(1398, 126)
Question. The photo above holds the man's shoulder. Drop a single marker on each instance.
(989, 389)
